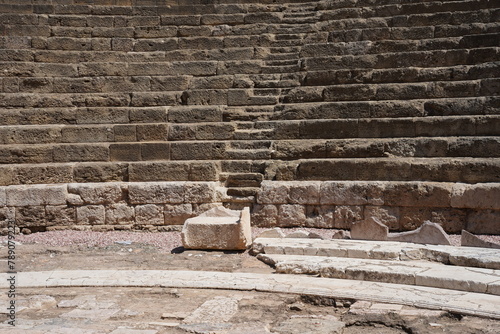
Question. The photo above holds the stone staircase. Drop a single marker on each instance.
(445, 267)
(238, 93)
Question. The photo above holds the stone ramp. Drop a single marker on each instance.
(421, 273)
(362, 249)
(462, 302)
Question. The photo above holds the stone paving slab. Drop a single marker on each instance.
(462, 302)
(381, 250)
(423, 273)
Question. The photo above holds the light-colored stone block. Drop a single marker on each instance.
(304, 193)
(177, 214)
(90, 215)
(272, 233)
(291, 215)
(3, 196)
(387, 215)
(120, 214)
(219, 228)
(157, 193)
(470, 240)
(37, 194)
(423, 194)
(428, 233)
(345, 216)
(476, 196)
(200, 192)
(369, 229)
(351, 193)
(273, 193)
(97, 193)
(149, 214)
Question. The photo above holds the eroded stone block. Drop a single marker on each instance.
(369, 229)
(219, 228)
(36, 195)
(90, 215)
(97, 193)
(428, 233)
(149, 214)
(120, 214)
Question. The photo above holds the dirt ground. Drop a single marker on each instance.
(166, 310)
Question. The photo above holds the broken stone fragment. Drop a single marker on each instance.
(429, 233)
(218, 229)
(341, 234)
(369, 229)
(470, 240)
(272, 233)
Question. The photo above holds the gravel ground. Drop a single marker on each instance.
(166, 241)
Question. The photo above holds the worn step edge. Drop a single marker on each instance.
(387, 250)
(461, 302)
(430, 274)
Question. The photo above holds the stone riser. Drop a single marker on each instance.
(137, 84)
(125, 205)
(466, 170)
(479, 147)
(197, 114)
(277, 130)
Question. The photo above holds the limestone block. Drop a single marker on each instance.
(200, 192)
(272, 233)
(369, 229)
(31, 216)
(265, 215)
(470, 240)
(273, 193)
(158, 171)
(90, 215)
(97, 193)
(3, 196)
(418, 194)
(476, 196)
(428, 233)
(219, 228)
(291, 215)
(351, 193)
(451, 220)
(298, 234)
(61, 214)
(177, 214)
(484, 222)
(158, 192)
(304, 193)
(7, 214)
(101, 172)
(345, 216)
(204, 171)
(119, 214)
(150, 214)
(39, 194)
(387, 215)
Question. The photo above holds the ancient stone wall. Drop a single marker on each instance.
(316, 113)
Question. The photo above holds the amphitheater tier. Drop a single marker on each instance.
(138, 114)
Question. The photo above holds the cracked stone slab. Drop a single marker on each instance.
(381, 250)
(462, 302)
(423, 273)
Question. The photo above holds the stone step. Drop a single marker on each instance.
(401, 75)
(419, 273)
(454, 302)
(431, 126)
(398, 46)
(253, 134)
(424, 59)
(422, 147)
(243, 192)
(380, 250)
(261, 154)
(242, 180)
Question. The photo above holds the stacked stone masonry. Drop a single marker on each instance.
(279, 105)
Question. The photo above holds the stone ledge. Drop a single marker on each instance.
(461, 302)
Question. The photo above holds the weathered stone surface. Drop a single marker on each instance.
(428, 233)
(119, 214)
(36, 195)
(272, 233)
(291, 215)
(476, 196)
(351, 193)
(177, 214)
(265, 215)
(484, 222)
(158, 192)
(91, 215)
(95, 193)
(3, 196)
(369, 229)
(470, 240)
(387, 215)
(298, 234)
(149, 214)
(219, 228)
